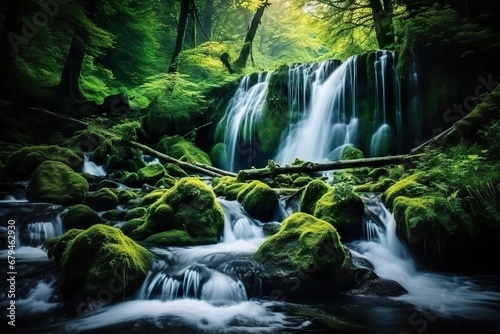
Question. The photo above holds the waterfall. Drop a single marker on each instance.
(441, 294)
(237, 224)
(325, 109)
(91, 168)
(242, 116)
(38, 232)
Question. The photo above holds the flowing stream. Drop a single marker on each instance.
(217, 288)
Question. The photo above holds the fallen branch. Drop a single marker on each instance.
(310, 167)
(196, 129)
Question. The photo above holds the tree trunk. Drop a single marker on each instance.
(382, 17)
(241, 62)
(181, 32)
(9, 43)
(310, 167)
(69, 85)
(206, 20)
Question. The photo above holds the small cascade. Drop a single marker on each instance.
(241, 117)
(38, 232)
(441, 294)
(193, 282)
(91, 168)
(237, 224)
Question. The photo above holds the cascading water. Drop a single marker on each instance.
(327, 118)
(91, 168)
(447, 296)
(241, 116)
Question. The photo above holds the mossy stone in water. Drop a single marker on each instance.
(54, 182)
(312, 193)
(176, 238)
(96, 256)
(103, 199)
(405, 187)
(351, 153)
(22, 163)
(228, 187)
(175, 171)
(131, 180)
(303, 244)
(259, 200)
(80, 216)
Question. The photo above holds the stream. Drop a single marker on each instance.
(201, 289)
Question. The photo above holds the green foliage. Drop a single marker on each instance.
(351, 153)
(181, 149)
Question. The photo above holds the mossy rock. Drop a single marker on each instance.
(177, 238)
(130, 180)
(408, 187)
(218, 155)
(341, 207)
(375, 187)
(102, 200)
(139, 212)
(80, 216)
(112, 215)
(312, 193)
(189, 206)
(131, 225)
(303, 244)
(96, 256)
(228, 187)
(175, 171)
(181, 149)
(115, 162)
(151, 174)
(166, 182)
(259, 200)
(301, 181)
(351, 153)
(22, 163)
(153, 197)
(54, 247)
(124, 196)
(426, 219)
(54, 182)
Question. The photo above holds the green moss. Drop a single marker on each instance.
(175, 171)
(189, 206)
(22, 163)
(111, 215)
(101, 200)
(153, 196)
(54, 182)
(406, 187)
(132, 225)
(55, 247)
(259, 200)
(313, 192)
(301, 181)
(95, 256)
(80, 216)
(124, 196)
(115, 162)
(340, 206)
(351, 153)
(130, 180)
(165, 182)
(177, 238)
(218, 155)
(151, 174)
(228, 187)
(179, 148)
(139, 212)
(375, 187)
(303, 244)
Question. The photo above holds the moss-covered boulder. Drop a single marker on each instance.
(151, 174)
(303, 244)
(407, 186)
(96, 256)
(124, 196)
(311, 195)
(175, 171)
(351, 153)
(218, 155)
(102, 200)
(80, 216)
(138, 212)
(116, 156)
(130, 180)
(259, 200)
(189, 206)
(179, 148)
(54, 182)
(22, 163)
(375, 187)
(176, 238)
(228, 187)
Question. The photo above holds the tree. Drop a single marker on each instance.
(181, 32)
(247, 45)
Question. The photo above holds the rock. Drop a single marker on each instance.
(351, 153)
(151, 174)
(379, 287)
(190, 206)
(22, 163)
(91, 259)
(175, 171)
(139, 212)
(181, 149)
(259, 200)
(131, 180)
(408, 187)
(117, 103)
(313, 192)
(102, 200)
(54, 182)
(81, 217)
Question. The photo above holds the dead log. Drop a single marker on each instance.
(310, 167)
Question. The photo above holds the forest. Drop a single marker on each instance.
(249, 166)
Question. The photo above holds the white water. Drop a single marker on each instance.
(242, 115)
(440, 294)
(91, 168)
(325, 122)
(39, 300)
